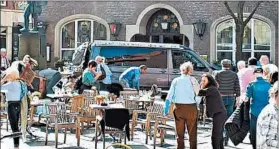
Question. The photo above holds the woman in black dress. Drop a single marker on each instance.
(214, 108)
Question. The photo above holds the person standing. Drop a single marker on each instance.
(229, 88)
(89, 77)
(257, 94)
(130, 78)
(246, 76)
(16, 90)
(268, 122)
(5, 63)
(182, 93)
(215, 109)
(240, 65)
(103, 68)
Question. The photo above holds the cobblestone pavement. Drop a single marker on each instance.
(204, 134)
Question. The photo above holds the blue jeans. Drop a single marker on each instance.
(229, 104)
(253, 130)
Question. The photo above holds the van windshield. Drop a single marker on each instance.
(131, 56)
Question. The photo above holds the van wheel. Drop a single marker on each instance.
(115, 89)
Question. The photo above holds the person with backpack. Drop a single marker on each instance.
(89, 77)
(105, 78)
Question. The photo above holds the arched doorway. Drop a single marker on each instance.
(163, 27)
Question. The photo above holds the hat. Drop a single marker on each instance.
(226, 62)
(258, 70)
(3, 50)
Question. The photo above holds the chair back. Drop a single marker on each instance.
(126, 94)
(58, 113)
(116, 117)
(158, 108)
(77, 103)
(89, 94)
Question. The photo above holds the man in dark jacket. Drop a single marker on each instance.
(229, 88)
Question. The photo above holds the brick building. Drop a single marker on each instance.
(71, 23)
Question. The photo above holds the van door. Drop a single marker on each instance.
(179, 57)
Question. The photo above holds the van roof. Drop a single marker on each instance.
(135, 44)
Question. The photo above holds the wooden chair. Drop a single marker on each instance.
(59, 118)
(156, 110)
(4, 113)
(161, 125)
(126, 94)
(87, 115)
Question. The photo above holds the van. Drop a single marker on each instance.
(162, 60)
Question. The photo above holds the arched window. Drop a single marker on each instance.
(256, 41)
(76, 32)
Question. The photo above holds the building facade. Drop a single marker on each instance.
(71, 23)
(12, 18)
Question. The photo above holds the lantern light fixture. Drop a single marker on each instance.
(199, 28)
(115, 28)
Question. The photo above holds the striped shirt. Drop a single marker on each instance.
(228, 82)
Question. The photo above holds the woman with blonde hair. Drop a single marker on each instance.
(16, 90)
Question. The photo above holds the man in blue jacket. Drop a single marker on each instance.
(257, 94)
(130, 78)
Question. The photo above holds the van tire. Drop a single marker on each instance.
(115, 88)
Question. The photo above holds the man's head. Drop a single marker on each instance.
(240, 65)
(273, 94)
(143, 69)
(99, 59)
(252, 61)
(258, 72)
(264, 60)
(3, 52)
(92, 65)
(186, 68)
(226, 63)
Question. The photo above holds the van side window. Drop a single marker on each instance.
(179, 57)
(131, 56)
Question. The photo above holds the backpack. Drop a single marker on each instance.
(78, 83)
(103, 76)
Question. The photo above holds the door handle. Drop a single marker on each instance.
(163, 71)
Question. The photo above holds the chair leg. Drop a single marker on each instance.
(65, 135)
(162, 137)
(154, 141)
(82, 128)
(46, 135)
(104, 141)
(146, 133)
(78, 132)
(56, 136)
(125, 137)
(132, 131)
(96, 135)
(7, 124)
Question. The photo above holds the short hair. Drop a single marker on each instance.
(92, 63)
(226, 63)
(3, 50)
(252, 61)
(97, 57)
(143, 67)
(273, 92)
(187, 66)
(211, 80)
(240, 63)
(264, 57)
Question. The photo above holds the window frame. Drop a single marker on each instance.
(76, 35)
(252, 50)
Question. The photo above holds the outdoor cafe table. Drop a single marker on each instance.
(145, 101)
(64, 97)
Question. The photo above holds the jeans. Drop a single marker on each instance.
(253, 130)
(14, 115)
(229, 104)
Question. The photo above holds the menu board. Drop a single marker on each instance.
(15, 43)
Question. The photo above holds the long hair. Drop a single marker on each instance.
(211, 80)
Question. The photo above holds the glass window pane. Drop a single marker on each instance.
(225, 35)
(262, 35)
(179, 57)
(68, 35)
(245, 56)
(224, 55)
(100, 32)
(84, 32)
(258, 55)
(67, 55)
(247, 37)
